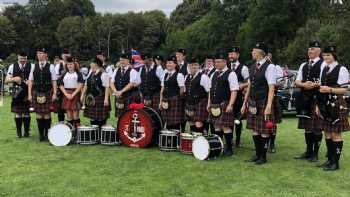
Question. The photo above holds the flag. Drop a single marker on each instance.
(136, 57)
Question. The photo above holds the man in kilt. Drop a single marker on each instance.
(197, 88)
(124, 84)
(223, 92)
(209, 70)
(18, 74)
(171, 93)
(42, 91)
(242, 73)
(259, 99)
(334, 114)
(95, 94)
(183, 69)
(60, 70)
(308, 82)
(276, 103)
(151, 76)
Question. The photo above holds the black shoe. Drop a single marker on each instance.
(19, 135)
(238, 145)
(41, 138)
(326, 163)
(313, 158)
(26, 134)
(260, 161)
(254, 158)
(331, 167)
(272, 148)
(303, 156)
(228, 152)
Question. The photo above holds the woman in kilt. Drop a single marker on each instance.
(333, 108)
(197, 88)
(18, 74)
(151, 76)
(172, 91)
(42, 91)
(124, 84)
(70, 84)
(95, 94)
(223, 93)
(259, 100)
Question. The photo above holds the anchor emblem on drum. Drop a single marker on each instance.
(136, 132)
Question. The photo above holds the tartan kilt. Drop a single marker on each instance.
(155, 102)
(277, 109)
(257, 122)
(339, 127)
(200, 112)
(238, 104)
(20, 107)
(71, 105)
(225, 119)
(133, 98)
(313, 124)
(175, 113)
(99, 111)
(41, 108)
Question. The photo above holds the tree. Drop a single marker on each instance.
(7, 36)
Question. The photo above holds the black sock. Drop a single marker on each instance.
(206, 126)
(60, 115)
(47, 124)
(264, 146)
(199, 129)
(193, 128)
(309, 143)
(220, 133)
(317, 144)
(256, 139)
(329, 148)
(26, 124)
(338, 146)
(40, 123)
(19, 126)
(238, 133)
(228, 139)
(272, 140)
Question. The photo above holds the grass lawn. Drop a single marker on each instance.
(30, 168)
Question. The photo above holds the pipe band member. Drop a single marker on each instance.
(18, 74)
(222, 96)
(42, 91)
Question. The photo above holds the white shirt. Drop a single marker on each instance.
(270, 73)
(84, 71)
(204, 82)
(343, 73)
(52, 71)
(300, 71)
(244, 71)
(104, 78)
(279, 73)
(232, 79)
(159, 71)
(10, 69)
(180, 78)
(109, 69)
(72, 80)
(57, 69)
(134, 75)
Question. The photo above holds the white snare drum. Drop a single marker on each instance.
(109, 135)
(88, 135)
(207, 147)
(169, 140)
(60, 134)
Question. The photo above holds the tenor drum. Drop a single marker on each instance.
(109, 135)
(186, 140)
(169, 140)
(139, 127)
(205, 148)
(60, 134)
(88, 135)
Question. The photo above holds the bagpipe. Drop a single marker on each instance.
(305, 101)
(19, 91)
(329, 104)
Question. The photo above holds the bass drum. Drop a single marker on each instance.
(139, 127)
(60, 134)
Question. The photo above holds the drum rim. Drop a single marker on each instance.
(158, 116)
(70, 135)
(207, 142)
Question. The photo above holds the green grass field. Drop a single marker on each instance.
(30, 168)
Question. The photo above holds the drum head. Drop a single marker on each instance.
(200, 148)
(60, 135)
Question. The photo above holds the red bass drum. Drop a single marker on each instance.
(139, 127)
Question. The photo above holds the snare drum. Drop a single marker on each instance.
(207, 147)
(88, 134)
(109, 135)
(186, 140)
(60, 134)
(169, 140)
